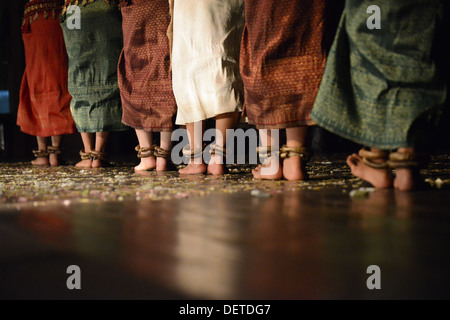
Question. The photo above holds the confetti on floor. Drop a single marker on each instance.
(24, 184)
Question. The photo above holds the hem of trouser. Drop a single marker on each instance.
(33, 132)
(149, 129)
(359, 139)
(207, 116)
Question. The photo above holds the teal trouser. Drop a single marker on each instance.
(381, 87)
(94, 52)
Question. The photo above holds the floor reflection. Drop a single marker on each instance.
(228, 246)
(283, 242)
(209, 248)
(46, 225)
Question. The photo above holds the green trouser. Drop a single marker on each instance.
(94, 52)
(381, 87)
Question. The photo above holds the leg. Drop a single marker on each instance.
(379, 178)
(145, 139)
(294, 167)
(42, 146)
(273, 161)
(195, 132)
(166, 144)
(223, 122)
(406, 179)
(88, 143)
(53, 157)
(100, 143)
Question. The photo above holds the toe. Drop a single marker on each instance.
(353, 160)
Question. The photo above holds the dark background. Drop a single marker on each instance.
(18, 146)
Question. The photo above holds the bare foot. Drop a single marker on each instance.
(193, 168)
(53, 159)
(84, 164)
(146, 164)
(215, 167)
(161, 164)
(406, 179)
(292, 169)
(98, 163)
(379, 178)
(275, 173)
(41, 161)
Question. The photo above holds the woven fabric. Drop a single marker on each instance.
(144, 66)
(33, 8)
(94, 52)
(68, 3)
(44, 107)
(282, 60)
(381, 87)
(205, 58)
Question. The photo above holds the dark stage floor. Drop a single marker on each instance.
(162, 236)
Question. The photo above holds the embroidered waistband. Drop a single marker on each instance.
(69, 3)
(46, 6)
(32, 10)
